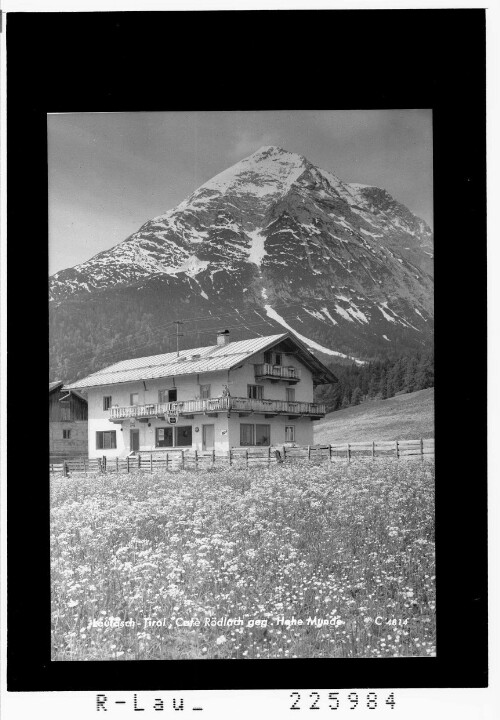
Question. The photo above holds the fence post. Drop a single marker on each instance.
(166, 460)
(397, 449)
(65, 468)
(308, 452)
(230, 463)
(246, 456)
(196, 459)
(213, 456)
(348, 452)
(104, 463)
(138, 461)
(182, 457)
(330, 452)
(373, 450)
(151, 463)
(128, 464)
(268, 456)
(117, 465)
(284, 453)
(422, 449)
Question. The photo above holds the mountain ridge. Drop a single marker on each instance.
(272, 229)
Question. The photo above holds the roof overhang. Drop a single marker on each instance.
(320, 372)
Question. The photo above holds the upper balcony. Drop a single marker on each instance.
(213, 406)
(275, 373)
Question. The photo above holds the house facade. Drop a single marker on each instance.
(68, 425)
(246, 393)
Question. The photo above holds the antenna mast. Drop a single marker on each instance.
(177, 333)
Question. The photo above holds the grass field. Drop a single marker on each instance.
(345, 549)
(404, 417)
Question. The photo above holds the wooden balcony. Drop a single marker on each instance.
(213, 406)
(275, 373)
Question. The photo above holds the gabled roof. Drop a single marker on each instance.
(58, 385)
(197, 360)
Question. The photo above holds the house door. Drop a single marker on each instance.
(208, 437)
(134, 440)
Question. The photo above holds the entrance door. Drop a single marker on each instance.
(134, 440)
(208, 437)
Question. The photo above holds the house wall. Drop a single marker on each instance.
(242, 377)
(76, 445)
(303, 428)
(188, 388)
(226, 430)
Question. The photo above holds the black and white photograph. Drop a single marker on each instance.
(248, 248)
(241, 400)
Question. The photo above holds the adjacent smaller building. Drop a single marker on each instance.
(68, 423)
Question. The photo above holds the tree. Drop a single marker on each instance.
(373, 386)
(383, 385)
(410, 376)
(424, 376)
(356, 396)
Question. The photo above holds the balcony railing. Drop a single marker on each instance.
(215, 405)
(279, 372)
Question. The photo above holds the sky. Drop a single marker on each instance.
(111, 172)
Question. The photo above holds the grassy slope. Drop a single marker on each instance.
(405, 417)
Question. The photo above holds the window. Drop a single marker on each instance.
(256, 392)
(165, 396)
(174, 436)
(105, 440)
(204, 392)
(289, 433)
(290, 394)
(273, 358)
(164, 437)
(134, 398)
(246, 434)
(255, 434)
(262, 434)
(66, 434)
(106, 402)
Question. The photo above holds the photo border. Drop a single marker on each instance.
(380, 59)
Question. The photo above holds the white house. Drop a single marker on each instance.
(232, 394)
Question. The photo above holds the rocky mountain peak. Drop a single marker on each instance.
(272, 231)
(268, 172)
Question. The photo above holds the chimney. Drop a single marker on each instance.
(222, 338)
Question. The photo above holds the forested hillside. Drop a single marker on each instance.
(381, 378)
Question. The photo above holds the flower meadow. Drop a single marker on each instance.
(300, 560)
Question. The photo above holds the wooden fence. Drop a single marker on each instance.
(158, 461)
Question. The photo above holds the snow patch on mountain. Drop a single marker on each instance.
(343, 313)
(327, 313)
(192, 266)
(310, 343)
(256, 251)
(316, 314)
(387, 317)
